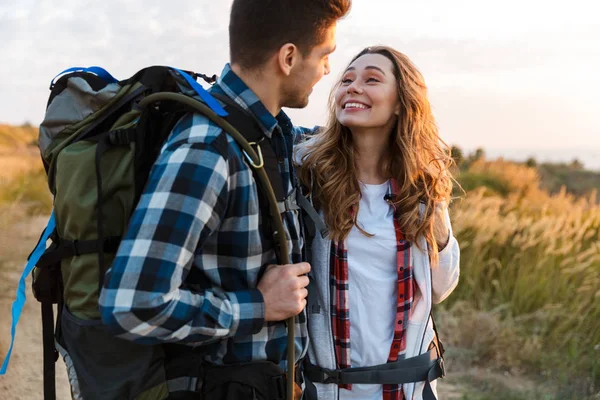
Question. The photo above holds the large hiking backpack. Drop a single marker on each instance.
(98, 141)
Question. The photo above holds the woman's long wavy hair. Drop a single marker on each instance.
(418, 160)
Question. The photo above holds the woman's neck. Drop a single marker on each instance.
(371, 149)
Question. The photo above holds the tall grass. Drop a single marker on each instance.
(28, 191)
(531, 262)
(23, 187)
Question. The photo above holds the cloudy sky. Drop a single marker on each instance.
(520, 76)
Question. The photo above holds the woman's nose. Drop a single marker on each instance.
(354, 87)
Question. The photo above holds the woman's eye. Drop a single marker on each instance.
(373, 80)
(346, 81)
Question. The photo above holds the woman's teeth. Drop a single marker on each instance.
(355, 105)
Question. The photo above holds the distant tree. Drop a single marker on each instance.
(457, 155)
(576, 164)
(479, 154)
(531, 162)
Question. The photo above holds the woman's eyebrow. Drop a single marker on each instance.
(367, 67)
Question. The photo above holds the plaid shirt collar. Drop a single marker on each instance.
(233, 86)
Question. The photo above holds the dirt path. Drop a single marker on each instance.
(23, 380)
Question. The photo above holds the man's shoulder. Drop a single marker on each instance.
(195, 128)
(198, 130)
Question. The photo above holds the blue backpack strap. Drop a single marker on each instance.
(101, 72)
(17, 306)
(203, 93)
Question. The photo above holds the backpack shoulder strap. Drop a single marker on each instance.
(314, 222)
(436, 340)
(247, 125)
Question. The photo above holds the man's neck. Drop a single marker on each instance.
(267, 92)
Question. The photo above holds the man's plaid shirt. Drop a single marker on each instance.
(199, 214)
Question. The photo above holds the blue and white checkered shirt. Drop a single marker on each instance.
(199, 215)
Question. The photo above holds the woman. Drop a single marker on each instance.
(379, 175)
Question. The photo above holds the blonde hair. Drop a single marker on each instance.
(419, 161)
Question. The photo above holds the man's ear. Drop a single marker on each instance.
(287, 58)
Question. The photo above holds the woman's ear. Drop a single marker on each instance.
(287, 58)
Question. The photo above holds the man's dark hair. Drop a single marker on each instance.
(258, 28)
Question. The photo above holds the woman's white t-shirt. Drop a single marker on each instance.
(373, 287)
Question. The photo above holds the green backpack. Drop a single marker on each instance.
(98, 141)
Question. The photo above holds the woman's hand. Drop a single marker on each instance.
(441, 232)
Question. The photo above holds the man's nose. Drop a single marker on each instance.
(327, 68)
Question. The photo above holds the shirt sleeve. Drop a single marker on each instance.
(184, 202)
(302, 133)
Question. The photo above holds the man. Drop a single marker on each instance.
(196, 267)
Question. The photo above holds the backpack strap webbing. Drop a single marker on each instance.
(48, 290)
(63, 248)
(50, 354)
(316, 222)
(309, 202)
(426, 367)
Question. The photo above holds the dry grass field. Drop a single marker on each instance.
(524, 322)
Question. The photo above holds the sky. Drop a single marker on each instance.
(516, 77)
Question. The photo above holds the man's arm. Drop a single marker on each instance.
(183, 204)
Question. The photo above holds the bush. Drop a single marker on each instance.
(471, 181)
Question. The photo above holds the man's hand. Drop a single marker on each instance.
(284, 290)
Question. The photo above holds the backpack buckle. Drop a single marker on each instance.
(261, 161)
(331, 376)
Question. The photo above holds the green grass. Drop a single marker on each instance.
(472, 180)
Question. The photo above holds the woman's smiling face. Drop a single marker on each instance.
(368, 94)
